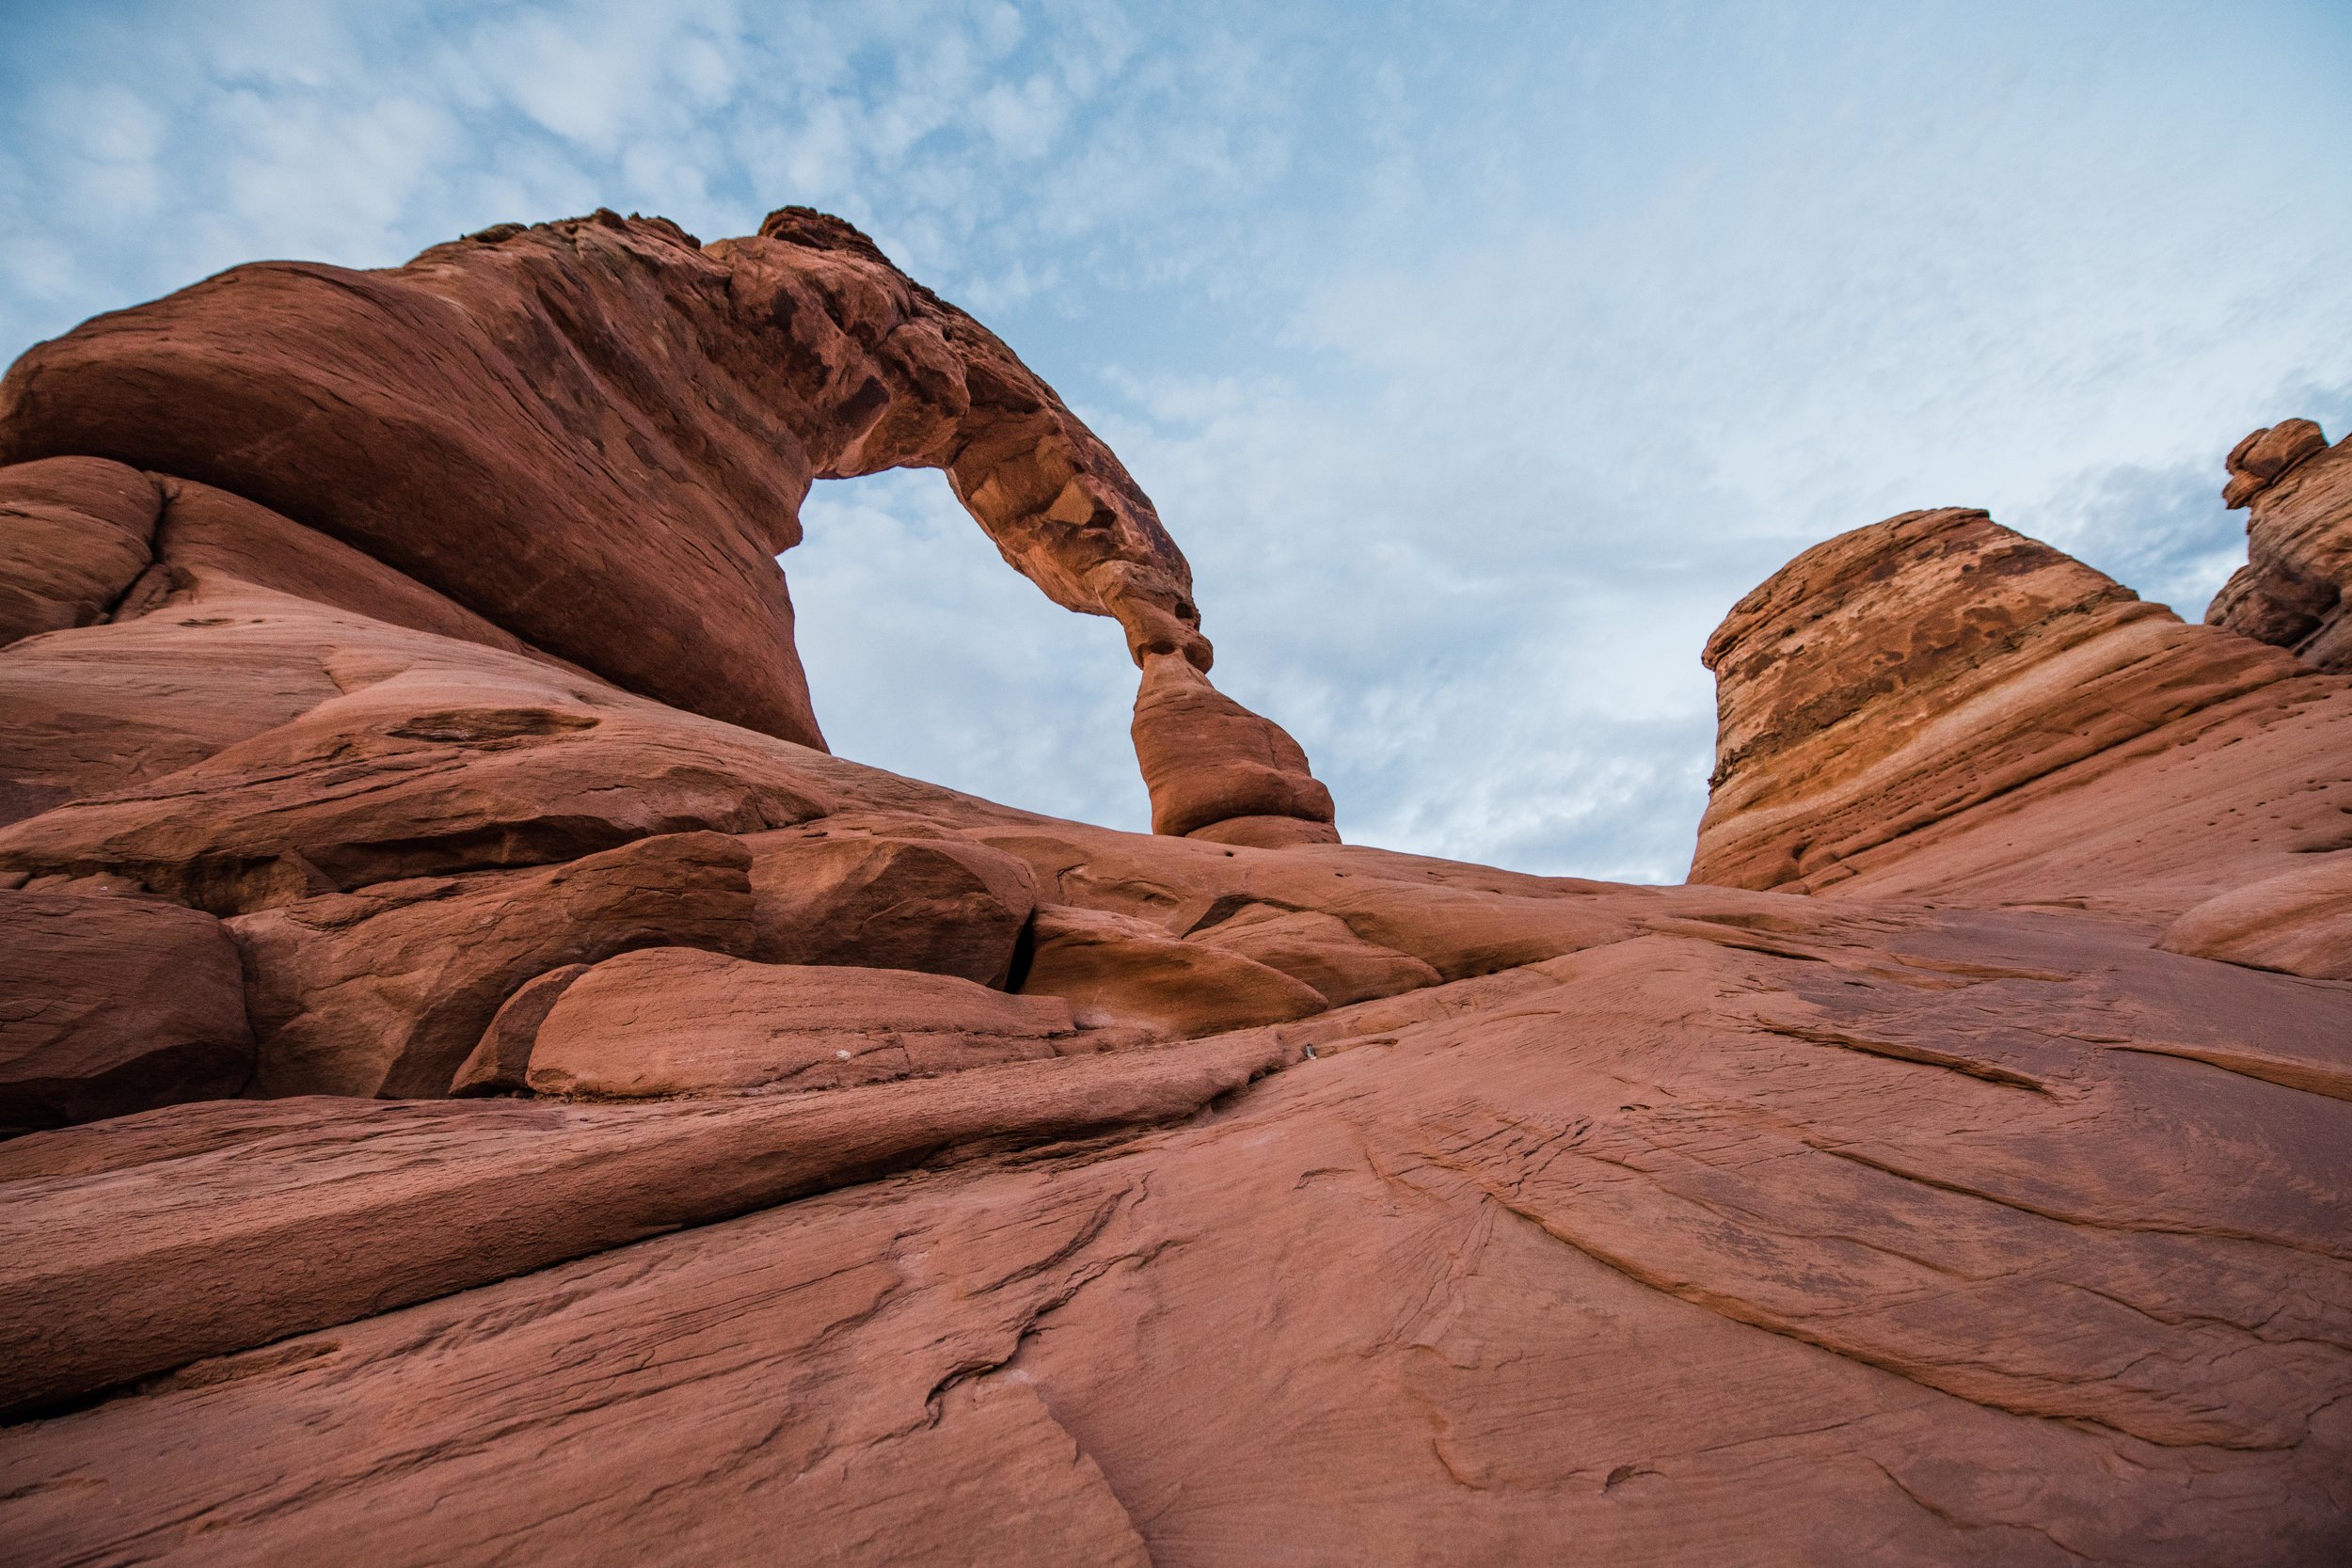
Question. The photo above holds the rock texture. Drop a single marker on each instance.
(672, 1020)
(112, 1005)
(505, 1095)
(2293, 589)
(1935, 705)
(75, 533)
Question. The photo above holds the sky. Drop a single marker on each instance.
(1479, 356)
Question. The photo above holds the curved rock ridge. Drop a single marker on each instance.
(2293, 590)
(460, 1104)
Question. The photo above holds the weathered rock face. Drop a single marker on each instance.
(1218, 771)
(672, 1020)
(113, 1004)
(688, 396)
(389, 991)
(1900, 682)
(940, 906)
(75, 533)
(2293, 589)
(492, 1115)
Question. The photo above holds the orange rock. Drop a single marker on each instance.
(1115, 969)
(1905, 673)
(686, 395)
(1515, 1219)
(2299, 922)
(1210, 762)
(75, 533)
(431, 770)
(501, 1061)
(1317, 950)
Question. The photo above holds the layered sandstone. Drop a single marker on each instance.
(507, 1097)
(2293, 589)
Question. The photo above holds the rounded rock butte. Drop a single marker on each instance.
(487, 1086)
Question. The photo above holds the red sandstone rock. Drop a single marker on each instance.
(1900, 674)
(237, 1223)
(671, 1021)
(941, 906)
(204, 533)
(2299, 921)
(500, 1060)
(1212, 763)
(2292, 589)
(1685, 1215)
(389, 990)
(430, 771)
(2263, 458)
(686, 396)
(110, 1006)
(1116, 969)
(1318, 950)
(75, 533)
(1512, 1219)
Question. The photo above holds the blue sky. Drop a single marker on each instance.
(1479, 355)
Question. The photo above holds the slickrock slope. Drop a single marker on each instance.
(508, 1099)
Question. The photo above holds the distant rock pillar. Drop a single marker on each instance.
(1218, 771)
(2294, 590)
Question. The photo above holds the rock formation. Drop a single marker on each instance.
(595, 433)
(2292, 589)
(490, 1088)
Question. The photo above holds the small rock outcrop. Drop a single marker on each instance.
(2295, 587)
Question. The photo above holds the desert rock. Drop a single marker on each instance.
(111, 1004)
(75, 534)
(1903, 673)
(549, 1110)
(2299, 922)
(941, 906)
(389, 991)
(2298, 535)
(670, 1021)
(1212, 765)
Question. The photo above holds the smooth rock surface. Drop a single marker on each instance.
(941, 906)
(387, 990)
(2299, 922)
(671, 1021)
(686, 395)
(1906, 673)
(110, 1006)
(1971, 1184)
(75, 534)
(1117, 969)
(1207, 761)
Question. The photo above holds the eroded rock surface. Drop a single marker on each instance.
(2293, 589)
(510, 1098)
